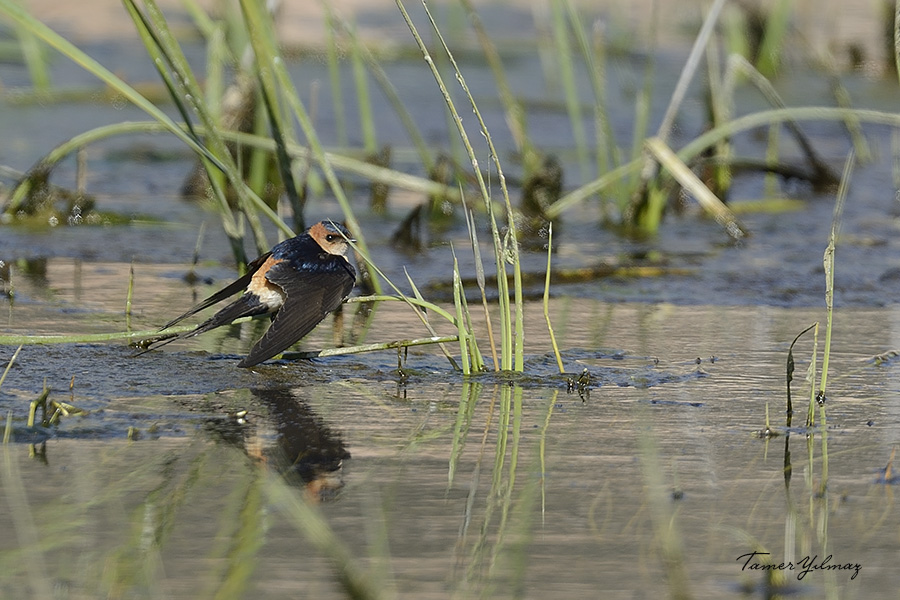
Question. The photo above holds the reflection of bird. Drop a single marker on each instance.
(298, 282)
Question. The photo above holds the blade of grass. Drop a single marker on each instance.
(424, 319)
(740, 65)
(559, 362)
(594, 57)
(268, 54)
(502, 285)
(516, 119)
(363, 100)
(53, 39)
(387, 87)
(23, 524)
(334, 75)
(790, 373)
(281, 132)
(471, 392)
(510, 251)
(690, 67)
(35, 57)
(479, 279)
(460, 321)
(175, 82)
(772, 43)
(374, 347)
(10, 364)
(811, 379)
(188, 90)
(296, 152)
(722, 214)
(687, 73)
(828, 262)
(310, 521)
(719, 109)
(570, 89)
(542, 446)
(509, 485)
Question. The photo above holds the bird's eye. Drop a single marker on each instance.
(330, 237)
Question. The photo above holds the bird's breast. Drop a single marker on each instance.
(268, 293)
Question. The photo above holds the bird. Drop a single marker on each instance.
(298, 283)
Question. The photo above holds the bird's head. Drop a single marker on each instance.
(331, 236)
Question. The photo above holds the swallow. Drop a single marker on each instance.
(298, 283)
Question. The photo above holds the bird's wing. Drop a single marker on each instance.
(309, 296)
(229, 290)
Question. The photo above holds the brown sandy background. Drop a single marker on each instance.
(820, 25)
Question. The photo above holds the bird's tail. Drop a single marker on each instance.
(247, 305)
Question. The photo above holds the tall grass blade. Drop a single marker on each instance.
(267, 54)
(506, 342)
(188, 90)
(282, 132)
(652, 214)
(471, 392)
(727, 130)
(479, 278)
(363, 100)
(811, 379)
(10, 364)
(424, 319)
(594, 57)
(243, 524)
(516, 119)
(772, 43)
(509, 485)
(389, 90)
(740, 65)
(296, 152)
(570, 89)
(663, 516)
(24, 527)
(692, 183)
(897, 37)
(18, 15)
(460, 318)
(35, 57)
(559, 362)
(719, 109)
(542, 452)
(790, 373)
(128, 296)
(689, 69)
(332, 54)
(510, 249)
(828, 262)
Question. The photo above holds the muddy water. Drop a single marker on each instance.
(651, 479)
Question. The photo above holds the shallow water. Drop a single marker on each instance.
(184, 475)
(423, 486)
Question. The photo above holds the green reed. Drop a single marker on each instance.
(516, 117)
(559, 362)
(594, 58)
(771, 47)
(511, 332)
(568, 79)
(363, 54)
(829, 264)
(18, 15)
